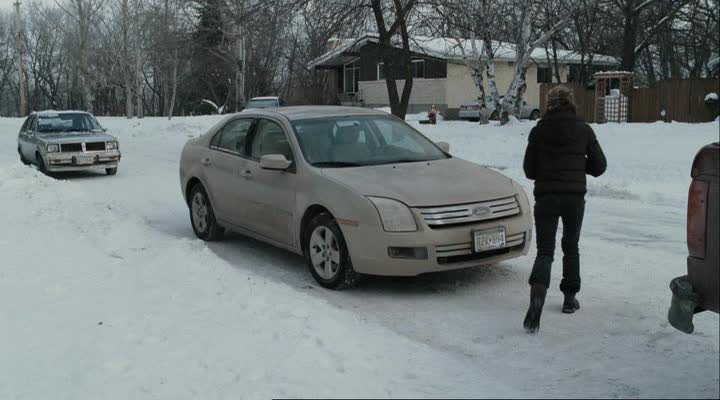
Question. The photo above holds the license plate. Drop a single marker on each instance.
(84, 160)
(490, 239)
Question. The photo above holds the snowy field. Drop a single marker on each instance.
(106, 294)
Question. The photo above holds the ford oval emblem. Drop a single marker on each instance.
(481, 211)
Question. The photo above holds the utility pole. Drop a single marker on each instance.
(23, 106)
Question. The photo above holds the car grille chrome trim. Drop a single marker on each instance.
(71, 148)
(463, 249)
(79, 148)
(469, 213)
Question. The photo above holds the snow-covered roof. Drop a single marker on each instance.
(52, 113)
(265, 98)
(448, 49)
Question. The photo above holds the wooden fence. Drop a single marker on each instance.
(682, 100)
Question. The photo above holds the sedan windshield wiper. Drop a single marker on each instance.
(335, 164)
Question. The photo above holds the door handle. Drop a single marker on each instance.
(247, 174)
(205, 161)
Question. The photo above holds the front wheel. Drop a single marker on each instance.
(202, 216)
(111, 171)
(40, 163)
(327, 255)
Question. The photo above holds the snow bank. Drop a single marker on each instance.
(712, 96)
(412, 117)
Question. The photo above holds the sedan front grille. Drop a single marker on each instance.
(463, 252)
(447, 216)
(462, 249)
(71, 147)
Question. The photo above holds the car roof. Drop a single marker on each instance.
(52, 113)
(295, 113)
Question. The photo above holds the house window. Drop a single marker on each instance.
(418, 68)
(381, 71)
(544, 75)
(351, 77)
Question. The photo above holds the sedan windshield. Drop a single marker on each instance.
(67, 123)
(263, 103)
(353, 141)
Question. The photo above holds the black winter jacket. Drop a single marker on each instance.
(561, 150)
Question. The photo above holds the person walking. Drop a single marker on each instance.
(561, 150)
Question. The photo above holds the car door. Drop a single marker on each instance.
(22, 136)
(226, 157)
(30, 140)
(271, 194)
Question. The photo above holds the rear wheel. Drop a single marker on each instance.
(202, 215)
(111, 171)
(22, 158)
(327, 255)
(534, 115)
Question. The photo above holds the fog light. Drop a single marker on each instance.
(414, 253)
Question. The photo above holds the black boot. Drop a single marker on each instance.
(570, 305)
(537, 300)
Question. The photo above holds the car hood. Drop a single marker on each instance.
(76, 137)
(430, 183)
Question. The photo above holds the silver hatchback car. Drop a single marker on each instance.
(60, 141)
(355, 191)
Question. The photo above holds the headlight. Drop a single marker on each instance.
(53, 148)
(395, 216)
(522, 197)
(111, 145)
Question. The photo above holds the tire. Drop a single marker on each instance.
(339, 273)
(534, 115)
(494, 115)
(202, 216)
(40, 163)
(22, 158)
(111, 171)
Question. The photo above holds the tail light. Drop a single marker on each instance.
(696, 218)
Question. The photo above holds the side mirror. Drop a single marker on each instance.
(444, 146)
(276, 162)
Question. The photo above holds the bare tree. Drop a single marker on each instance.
(398, 12)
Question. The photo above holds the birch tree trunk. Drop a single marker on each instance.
(490, 65)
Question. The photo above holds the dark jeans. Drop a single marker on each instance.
(548, 209)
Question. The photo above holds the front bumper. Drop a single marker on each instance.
(447, 248)
(101, 160)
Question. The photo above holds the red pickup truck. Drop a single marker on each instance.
(699, 290)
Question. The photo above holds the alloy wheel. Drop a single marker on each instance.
(324, 252)
(200, 212)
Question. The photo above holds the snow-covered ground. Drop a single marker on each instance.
(105, 292)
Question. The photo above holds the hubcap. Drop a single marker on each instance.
(200, 212)
(324, 252)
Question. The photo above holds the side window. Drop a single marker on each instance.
(233, 136)
(270, 139)
(26, 124)
(31, 125)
